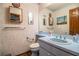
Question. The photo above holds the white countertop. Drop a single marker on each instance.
(42, 34)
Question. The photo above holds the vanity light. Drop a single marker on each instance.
(30, 18)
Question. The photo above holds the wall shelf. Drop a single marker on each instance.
(5, 26)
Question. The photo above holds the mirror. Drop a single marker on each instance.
(54, 18)
(15, 15)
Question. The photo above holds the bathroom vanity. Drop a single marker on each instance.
(51, 48)
(41, 34)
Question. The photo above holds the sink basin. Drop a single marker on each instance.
(60, 41)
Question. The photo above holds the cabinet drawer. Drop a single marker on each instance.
(53, 50)
(43, 52)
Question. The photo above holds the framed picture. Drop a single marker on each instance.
(30, 18)
(50, 20)
(61, 20)
(44, 19)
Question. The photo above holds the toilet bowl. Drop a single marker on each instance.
(35, 49)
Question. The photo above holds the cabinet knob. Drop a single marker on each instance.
(48, 53)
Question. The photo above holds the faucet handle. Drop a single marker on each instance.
(60, 36)
(63, 37)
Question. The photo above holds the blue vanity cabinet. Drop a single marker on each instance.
(38, 36)
(43, 52)
(46, 49)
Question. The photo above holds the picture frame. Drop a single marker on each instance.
(30, 18)
(50, 20)
(62, 20)
(44, 19)
(16, 5)
(14, 15)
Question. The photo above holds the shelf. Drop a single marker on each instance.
(4, 26)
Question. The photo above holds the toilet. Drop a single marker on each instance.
(35, 49)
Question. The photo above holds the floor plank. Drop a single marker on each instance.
(28, 53)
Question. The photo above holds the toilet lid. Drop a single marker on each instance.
(34, 45)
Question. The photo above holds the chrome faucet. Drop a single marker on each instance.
(62, 37)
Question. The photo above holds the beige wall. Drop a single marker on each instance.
(62, 29)
(0, 43)
(44, 11)
(14, 40)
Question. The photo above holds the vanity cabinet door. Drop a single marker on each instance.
(43, 52)
(38, 36)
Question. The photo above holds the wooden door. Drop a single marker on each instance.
(74, 21)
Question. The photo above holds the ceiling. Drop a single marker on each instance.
(56, 6)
